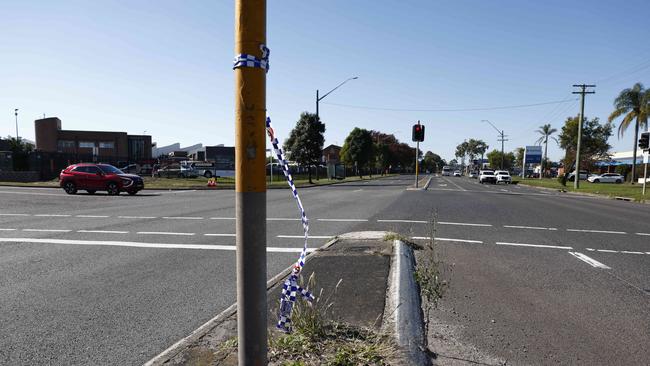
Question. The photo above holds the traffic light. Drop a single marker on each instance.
(643, 141)
(418, 133)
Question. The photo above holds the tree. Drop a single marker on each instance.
(494, 158)
(519, 157)
(20, 149)
(432, 162)
(594, 143)
(461, 151)
(634, 103)
(305, 142)
(546, 131)
(358, 149)
(384, 149)
(476, 148)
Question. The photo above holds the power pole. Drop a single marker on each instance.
(582, 92)
(250, 189)
(502, 139)
(16, 114)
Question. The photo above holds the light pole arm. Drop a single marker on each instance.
(493, 126)
(338, 86)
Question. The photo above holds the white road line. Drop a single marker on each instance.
(222, 218)
(102, 231)
(597, 231)
(51, 215)
(592, 262)
(343, 220)
(530, 227)
(607, 251)
(503, 190)
(220, 235)
(48, 230)
(645, 234)
(534, 245)
(137, 217)
(631, 252)
(302, 236)
(448, 239)
(407, 221)
(461, 223)
(182, 218)
(162, 233)
(357, 190)
(7, 229)
(145, 245)
(93, 216)
(454, 183)
(14, 214)
(37, 194)
(281, 219)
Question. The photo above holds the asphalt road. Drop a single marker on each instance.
(537, 276)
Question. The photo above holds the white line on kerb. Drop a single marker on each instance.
(448, 239)
(592, 262)
(136, 217)
(461, 223)
(342, 220)
(182, 218)
(102, 232)
(48, 230)
(530, 227)
(534, 245)
(597, 231)
(93, 216)
(407, 221)
(162, 233)
(302, 236)
(144, 245)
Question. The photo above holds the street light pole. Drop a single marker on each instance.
(318, 99)
(16, 113)
(502, 139)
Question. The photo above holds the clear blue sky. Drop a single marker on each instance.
(165, 66)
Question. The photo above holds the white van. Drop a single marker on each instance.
(446, 171)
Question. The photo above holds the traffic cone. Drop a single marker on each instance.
(212, 182)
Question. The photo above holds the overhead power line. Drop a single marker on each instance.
(451, 109)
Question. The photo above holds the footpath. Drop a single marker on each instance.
(367, 311)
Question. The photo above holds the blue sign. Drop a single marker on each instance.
(533, 154)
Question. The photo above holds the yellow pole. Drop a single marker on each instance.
(250, 184)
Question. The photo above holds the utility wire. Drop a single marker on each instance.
(452, 109)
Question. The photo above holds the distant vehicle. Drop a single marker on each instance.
(208, 169)
(606, 178)
(98, 177)
(176, 171)
(487, 176)
(583, 175)
(446, 171)
(473, 174)
(131, 169)
(502, 176)
(457, 173)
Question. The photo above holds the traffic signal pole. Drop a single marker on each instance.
(250, 184)
(417, 165)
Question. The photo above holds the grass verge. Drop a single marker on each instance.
(633, 191)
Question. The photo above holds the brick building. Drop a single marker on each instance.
(95, 145)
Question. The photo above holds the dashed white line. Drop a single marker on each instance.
(103, 231)
(597, 231)
(222, 218)
(282, 219)
(163, 233)
(93, 216)
(462, 223)
(534, 245)
(145, 245)
(592, 262)
(405, 221)
(51, 215)
(7, 229)
(182, 218)
(530, 227)
(137, 217)
(302, 236)
(448, 239)
(48, 230)
(229, 235)
(607, 251)
(631, 252)
(343, 220)
(644, 234)
(14, 214)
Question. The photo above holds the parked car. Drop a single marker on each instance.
(583, 175)
(177, 171)
(473, 174)
(457, 173)
(487, 176)
(502, 176)
(99, 177)
(606, 178)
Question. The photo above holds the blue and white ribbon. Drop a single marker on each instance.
(248, 60)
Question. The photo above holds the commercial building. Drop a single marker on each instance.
(90, 145)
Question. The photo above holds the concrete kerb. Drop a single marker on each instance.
(403, 310)
(204, 329)
(424, 188)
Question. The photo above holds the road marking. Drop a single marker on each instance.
(406, 221)
(442, 185)
(162, 233)
(281, 219)
(592, 262)
(51, 215)
(530, 227)
(222, 218)
(145, 245)
(137, 217)
(48, 230)
(302, 236)
(597, 231)
(182, 218)
(607, 251)
(343, 220)
(448, 239)
(645, 234)
(7, 229)
(461, 223)
(93, 216)
(454, 183)
(534, 245)
(631, 252)
(37, 194)
(102, 231)
(220, 234)
(503, 190)
(357, 190)
(14, 214)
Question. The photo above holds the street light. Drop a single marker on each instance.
(318, 99)
(502, 139)
(16, 113)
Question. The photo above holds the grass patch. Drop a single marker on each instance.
(605, 189)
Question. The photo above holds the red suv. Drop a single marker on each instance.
(99, 177)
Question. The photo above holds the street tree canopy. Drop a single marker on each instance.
(594, 143)
(358, 148)
(305, 142)
(494, 158)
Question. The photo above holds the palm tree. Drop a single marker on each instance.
(546, 131)
(634, 103)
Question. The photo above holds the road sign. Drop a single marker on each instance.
(645, 156)
(533, 154)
